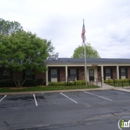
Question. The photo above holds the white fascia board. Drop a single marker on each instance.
(87, 65)
(67, 65)
(114, 65)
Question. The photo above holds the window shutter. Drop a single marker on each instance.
(111, 73)
(119, 73)
(126, 73)
(49, 74)
(1, 74)
(23, 76)
(77, 73)
(58, 74)
(33, 76)
(68, 72)
(104, 70)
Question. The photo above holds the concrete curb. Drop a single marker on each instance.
(54, 91)
(58, 91)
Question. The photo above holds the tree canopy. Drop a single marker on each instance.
(23, 51)
(8, 27)
(90, 52)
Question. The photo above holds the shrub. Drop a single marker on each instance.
(57, 84)
(71, 83)
(117, 81)
(6, 83)
(30, 83)
(40, 81)
(80, 82)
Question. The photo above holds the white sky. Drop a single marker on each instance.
(107, 23)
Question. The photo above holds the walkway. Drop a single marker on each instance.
(104, 86)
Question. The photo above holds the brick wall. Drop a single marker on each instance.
(62, 73)
(41, 75)
(128, 72)
(114, 72)
(99, 73)
(81, 73)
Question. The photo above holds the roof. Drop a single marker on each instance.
(89, 61)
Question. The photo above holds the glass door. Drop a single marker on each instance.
(91, 74)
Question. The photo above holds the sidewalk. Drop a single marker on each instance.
(104, 86)
(122, 89)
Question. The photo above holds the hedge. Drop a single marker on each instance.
(117, 81)
(10, 83)
(78, 82)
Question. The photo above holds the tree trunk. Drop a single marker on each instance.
(18, 78)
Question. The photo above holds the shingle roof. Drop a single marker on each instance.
(89, 61)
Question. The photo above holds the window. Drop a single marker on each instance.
(108, 72)
(6, 74)
(53, 73)
(123, 72)
(73, 73)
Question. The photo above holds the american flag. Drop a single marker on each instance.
(83, 33)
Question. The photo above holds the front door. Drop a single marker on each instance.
(91, 74)
(54, 75)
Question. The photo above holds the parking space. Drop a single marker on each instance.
(62, 98)
(50, 99)
(82, 97)
(63, 109)
(17, 101)
(113, 94)
(2, 98)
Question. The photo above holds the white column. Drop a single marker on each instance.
(102, 74)
(117, 71)
(66, 73)
(47, 76)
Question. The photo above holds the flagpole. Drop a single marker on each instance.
(85, 60)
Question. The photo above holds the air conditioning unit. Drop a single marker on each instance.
(53, 79)
(108, 77)
(123, 77)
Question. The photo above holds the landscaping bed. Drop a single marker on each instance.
(118, 83)
(45, 88)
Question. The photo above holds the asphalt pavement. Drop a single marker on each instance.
(85, 110)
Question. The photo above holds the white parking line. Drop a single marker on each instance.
(35, 100)
(2, 98)
(69, 98)
(99, 96)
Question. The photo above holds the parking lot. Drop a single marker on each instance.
(83, 110)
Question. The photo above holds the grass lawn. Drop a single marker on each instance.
(125, 84)
(43, 88)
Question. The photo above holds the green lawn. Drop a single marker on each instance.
(119, 84)
(44, 88)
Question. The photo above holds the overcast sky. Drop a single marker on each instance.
(107, 23)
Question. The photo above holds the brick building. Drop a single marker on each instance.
(102, 68)
(58, 69)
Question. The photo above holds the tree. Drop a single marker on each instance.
(50, 47)
(90, 52)
(8, 27)
(23, 51)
